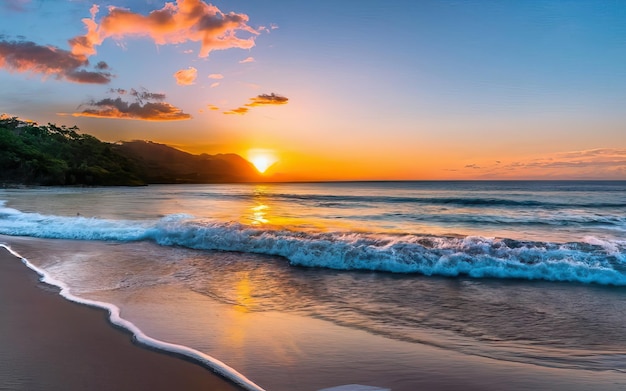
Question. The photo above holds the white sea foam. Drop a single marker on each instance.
(591, 260)
(446, 256)
(115, 318)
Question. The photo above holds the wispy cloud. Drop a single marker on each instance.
(260, 100)
(216, 84)
(247, 59)
(266, 29)
(186, 77)
(238, 110)
(26, 56)
(139, 95)
(175, 23)
(267, 99)
(216, 76)
(15, 5)
(609, 163)
(602, 157)
(148, 106)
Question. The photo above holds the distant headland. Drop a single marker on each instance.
(32, 154)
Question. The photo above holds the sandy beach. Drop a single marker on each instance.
(49, 343)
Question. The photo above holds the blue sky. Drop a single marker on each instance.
(344, 90)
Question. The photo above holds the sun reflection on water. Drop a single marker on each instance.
(261, 208)
(243, 294)
(259, 214)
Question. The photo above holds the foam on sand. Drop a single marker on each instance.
(115, 318)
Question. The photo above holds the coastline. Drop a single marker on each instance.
(50, 343)
(368, 359)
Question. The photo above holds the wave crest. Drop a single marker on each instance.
(590, 261)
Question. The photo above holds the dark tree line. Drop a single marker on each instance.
(32, 154)
(53, 155)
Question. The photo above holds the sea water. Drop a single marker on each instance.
(399, 285)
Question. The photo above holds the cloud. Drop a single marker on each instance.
(595, 159)
(186, 77)
(15, 5)
(593, 153)
(6, 116)
(175, 23)
(101, 65)
(266, 29)
(267, 99)
(142, 109)
(213, 107)
(140, 96)
(238, 110)
(216, 76)
(26, 56)
(213, 85)
(601, 163)
(260, 100)
(246, 60)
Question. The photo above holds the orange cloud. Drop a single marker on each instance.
(245, 60)
(213, 107)
(186, 77)
(185, 20)
(260, 100)
(216, 76)
(606, 163)
(265, 99)
(238, 110)
(24, 56)
(141, 109)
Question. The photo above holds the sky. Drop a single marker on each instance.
(334, 90)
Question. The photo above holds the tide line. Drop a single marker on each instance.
(212, 363)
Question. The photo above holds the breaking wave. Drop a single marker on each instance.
(590, 260)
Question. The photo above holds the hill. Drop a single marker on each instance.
(51, 155)
(159, 163)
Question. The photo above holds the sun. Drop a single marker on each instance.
(262, 159)
(261, 163)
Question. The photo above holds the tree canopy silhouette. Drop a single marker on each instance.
(57, 155)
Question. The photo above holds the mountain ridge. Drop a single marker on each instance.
(32, 154)
(161, 163)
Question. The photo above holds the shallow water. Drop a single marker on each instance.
(291, 327)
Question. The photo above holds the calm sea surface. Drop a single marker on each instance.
(398, 285)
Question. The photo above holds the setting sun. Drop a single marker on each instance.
(262, 159)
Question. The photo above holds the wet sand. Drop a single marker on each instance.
(49, 343)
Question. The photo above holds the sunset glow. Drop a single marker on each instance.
(261, 159)
(513, 91)
(261, 163)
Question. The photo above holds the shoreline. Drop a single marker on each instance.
(51, 343)
(304, 352)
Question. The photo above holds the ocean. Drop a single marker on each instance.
(486, 285)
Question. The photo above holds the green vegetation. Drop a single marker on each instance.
(51, 155)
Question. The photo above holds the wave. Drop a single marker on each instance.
(590, 261)
(341, 200)
(493, 219)
(138, 335)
